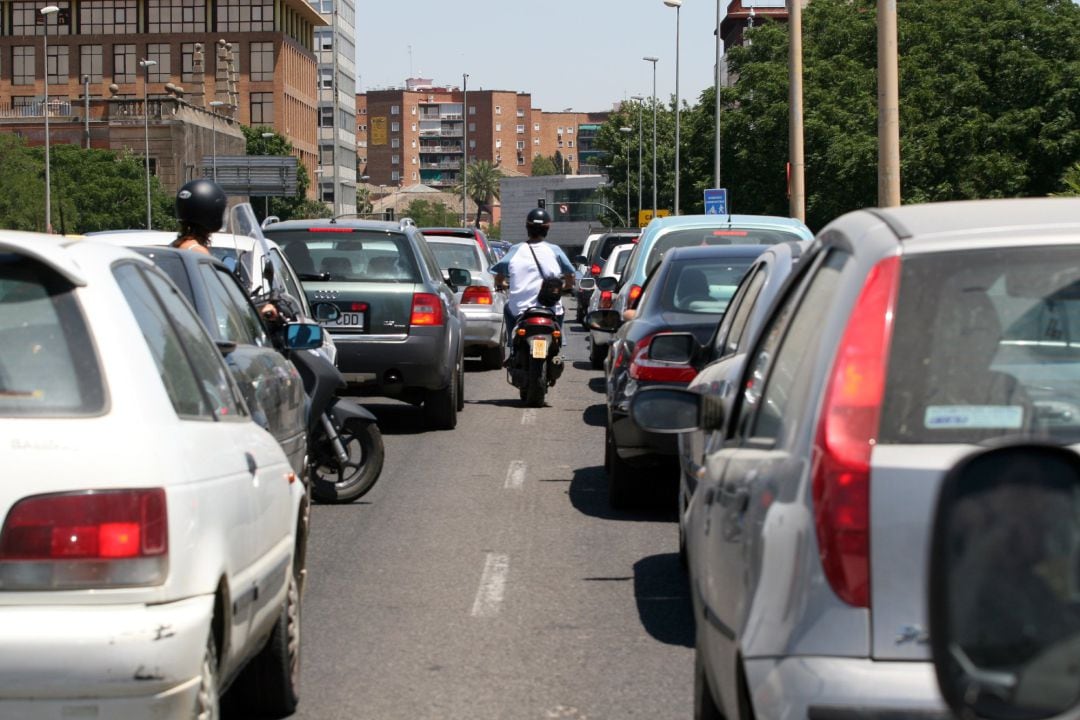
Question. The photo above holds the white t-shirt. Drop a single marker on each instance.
(519, 267)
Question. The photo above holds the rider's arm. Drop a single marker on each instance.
(566, 267)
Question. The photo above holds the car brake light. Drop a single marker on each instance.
(642, 367)
(477, 295)
(846, 433)
(632, 297)
(330, 229)
(426, 310)
(605, 299)
(111, 538)
(359, 307)
(594, 270)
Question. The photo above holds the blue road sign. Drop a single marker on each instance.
(716, 201)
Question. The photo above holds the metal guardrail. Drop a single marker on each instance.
(57, 108)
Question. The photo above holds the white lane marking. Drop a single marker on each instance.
(489, 596)
(528, 417)
(515, 476)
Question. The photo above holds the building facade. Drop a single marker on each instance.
(240, 61)
(335, 47)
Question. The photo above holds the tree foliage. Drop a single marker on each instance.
(297, 207)
(431, 213)
(543, 165)
(482, 180)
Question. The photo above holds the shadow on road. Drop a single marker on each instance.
(598, 385)
(589, 494)
(662, 593)
(397, 418)
(595, 415)
(475, 365)
(498, 402)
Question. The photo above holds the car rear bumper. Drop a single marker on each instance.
(483, 327)
(115, 661)
(636, 445)
(391, 364)
(831, 688)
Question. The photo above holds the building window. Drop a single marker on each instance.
(415, 159)
(324, 39)
(498, 143)
(498, 110)
(570, 158)
(569, 131)
(187, 62)
(245, 15)
(472, 144)
(472, 127)
(536, 141)
(520, 113)
(395, 159)
(395, 109)
(395, 127)
(262, 61)
(124, 63)
(159, 52)
(520, 129)
(559, 131)
(326, 78)
(328, 193)
(498, 127)
(569, 143)
(175, 16)
(363, 111)
(262, 108)
(57, 64)
(414, 129)
(520, 144)
(472, 109)
(521, 159)
(395, 175)
(24, 16)
(109, 17)
(326, 116)
(395, 142)
(90, 62)
(22, 65)
(536, 127)
(413, 109)
(326, 155)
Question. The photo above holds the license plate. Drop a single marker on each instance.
(539, 347)
(347, 321)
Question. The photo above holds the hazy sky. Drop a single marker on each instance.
(580, 54)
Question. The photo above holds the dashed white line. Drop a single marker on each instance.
(489, 596)
(528, 416)
(515, 476)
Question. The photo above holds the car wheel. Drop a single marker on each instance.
(207, 700)
(440, 407)
(270, 685)
(704, 705)
(621, 483)
(461, 385)
(597, 355)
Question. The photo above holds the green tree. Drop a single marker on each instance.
(430, 213)
(297, 207)
(483, 185)
(543, 165)
(494, 231)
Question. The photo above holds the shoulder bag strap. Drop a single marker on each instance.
(536, 260)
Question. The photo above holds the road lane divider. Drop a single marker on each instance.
(528, 417)
(515, 476)
(489, 596)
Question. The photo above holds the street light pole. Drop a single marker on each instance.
(639, 99)
(795, 112)
(266, 198)
(465, 151)
(653, 60)
(626, 131)
(146, 132)
(888, 107)
(214, 105)
(677, 4)
(719, 42)
(46, 12)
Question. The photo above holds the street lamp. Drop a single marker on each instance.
(719, 42)
(266, 198)
(46, 12)
(677, 4)
(639, 99)
(465, 150)
(146, 132)
(653, 60)
(214, 104)
(626, 131)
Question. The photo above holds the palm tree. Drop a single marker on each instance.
(482, 186)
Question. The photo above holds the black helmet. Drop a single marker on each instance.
(538, 222)
(201, 202)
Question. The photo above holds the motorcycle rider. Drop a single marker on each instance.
(525, 266)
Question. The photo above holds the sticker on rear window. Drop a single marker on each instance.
(943, 417)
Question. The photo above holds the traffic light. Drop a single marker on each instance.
(541, 203)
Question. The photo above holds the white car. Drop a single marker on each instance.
(151, 550)
(604, 300)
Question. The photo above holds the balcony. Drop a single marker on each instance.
(57, 108)
(452, 133)
(444, 165)
(429, 149)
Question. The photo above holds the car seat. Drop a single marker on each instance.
(384, 266)
(336, 266)
(300, 258)
(693, 287)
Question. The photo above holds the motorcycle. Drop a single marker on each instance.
(535, 363)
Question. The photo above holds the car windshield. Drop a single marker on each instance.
(341, 254)
(714, 236)
(48, 367)
(986, 344)
(456, 255)
(703, 285)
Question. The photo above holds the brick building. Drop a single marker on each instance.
(253, 56)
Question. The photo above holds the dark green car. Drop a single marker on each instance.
(378, 289)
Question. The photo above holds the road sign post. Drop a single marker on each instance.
(716, 201)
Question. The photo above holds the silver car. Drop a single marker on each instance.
(604, 300)
(906, 337)
(481, 303)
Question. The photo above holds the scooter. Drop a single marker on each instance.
(535, 363)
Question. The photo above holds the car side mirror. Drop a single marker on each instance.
(268, 272)
(587, 283)
(581, 260)
(457, 277)
(603, 320)
(607, 283)
(671, 410)
(303, 336)
(1004, 593)
(326, 312)
(675, 348)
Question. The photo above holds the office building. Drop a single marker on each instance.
(335, 46)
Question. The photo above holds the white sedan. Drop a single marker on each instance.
(150, 552)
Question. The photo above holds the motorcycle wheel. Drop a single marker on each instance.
(536, 387)
(333, 483)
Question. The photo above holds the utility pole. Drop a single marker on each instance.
(337, 113)
(465, 149)
(716, 170)
(795, 112)
(888, 107)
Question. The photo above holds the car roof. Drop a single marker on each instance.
(451, 231)
(48, 249)
(378, 225)
(719, 221)
(699, 252)
(453, 239)
(965, 218)
(143, 238)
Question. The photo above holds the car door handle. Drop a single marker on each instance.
(738, 499)
(252, 466)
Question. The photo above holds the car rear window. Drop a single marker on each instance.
(344, 255)
(610, 243)
(713, 236)
(456, 255)
(986, 344)
(48, 367)
(703, 285)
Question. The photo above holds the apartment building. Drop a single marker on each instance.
(253, 59)
(361, 137)
(335, 47)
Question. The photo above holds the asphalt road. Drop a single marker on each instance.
(485, 576)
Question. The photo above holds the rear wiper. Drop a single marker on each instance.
(313, 276)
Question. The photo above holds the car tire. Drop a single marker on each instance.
(597, 355)
(364, 444)
(622, 490)
(440, 406)
(705, 707)
(208, 698)
(270, 684)
(461, 385)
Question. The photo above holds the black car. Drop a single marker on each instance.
(594, 263)
(269, 382)
(398, 330)
(687, 292)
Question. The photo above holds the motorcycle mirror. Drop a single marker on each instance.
(303, 336)
(603, 320)
(1004, 595)
(587, 283)
(608, 282)
(326, 312)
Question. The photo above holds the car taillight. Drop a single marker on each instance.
(847, 431)
(426, 310)
(633, 295)
(605, 299)
(642, 367)
(539, 320)
(94, 539)
(477, 295)
(594, 270)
